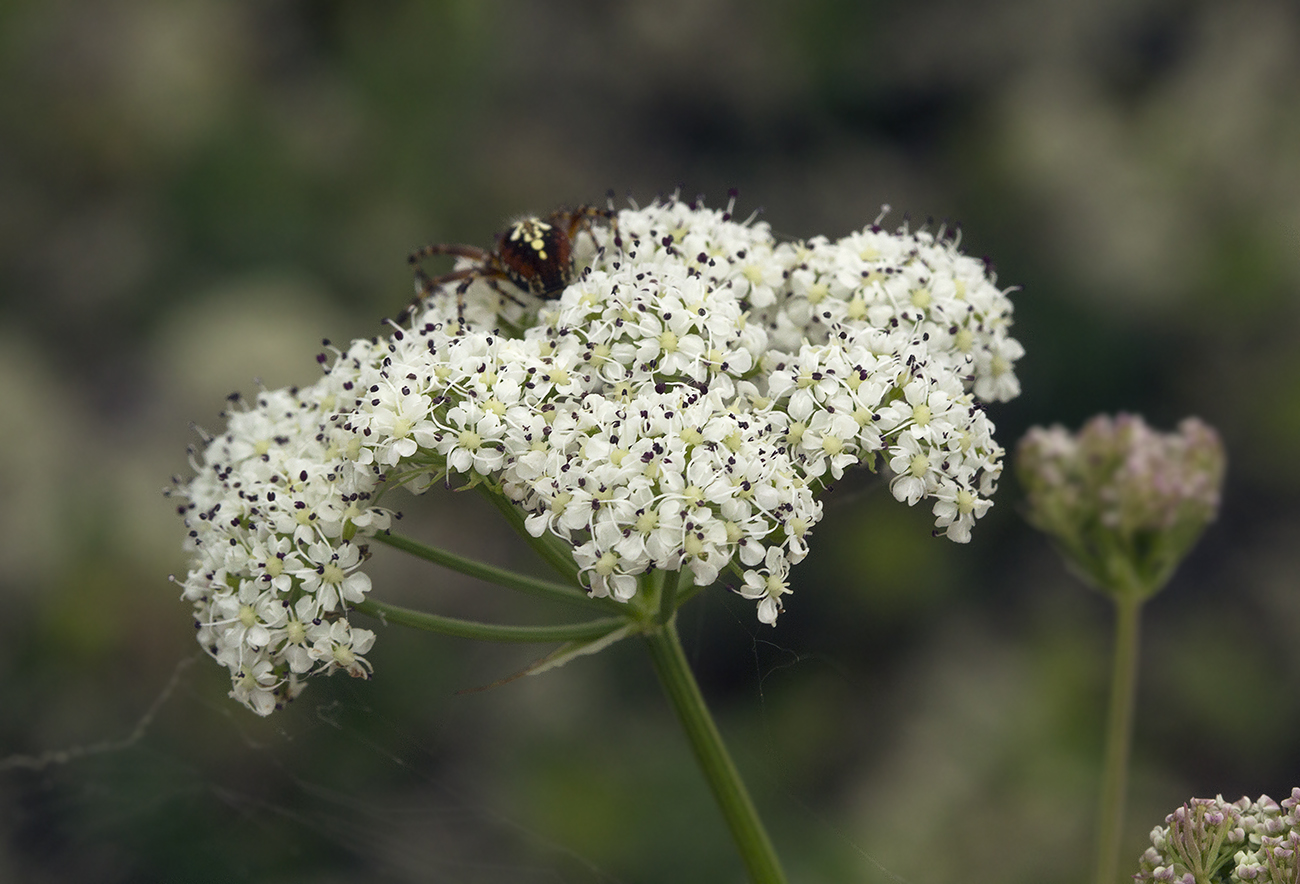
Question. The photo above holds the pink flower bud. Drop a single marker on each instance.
(1123, 502)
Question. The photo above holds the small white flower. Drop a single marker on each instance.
(768, 585)
(956, 508)
(914, 470)
(340, 646)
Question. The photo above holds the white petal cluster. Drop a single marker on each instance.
(271, 512)
(679, 406)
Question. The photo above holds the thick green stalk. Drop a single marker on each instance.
(675, 674)
(1119, 733)
(668, 601)
(492, 632)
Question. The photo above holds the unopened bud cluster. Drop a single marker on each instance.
(1124, 503)
(1211, 840)
(678, 407)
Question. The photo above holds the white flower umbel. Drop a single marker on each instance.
(678, 407)
(272, 512)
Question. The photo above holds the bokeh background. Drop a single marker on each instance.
(193, 194)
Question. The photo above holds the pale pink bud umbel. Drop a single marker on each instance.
(1210, 839)
(1124, 503)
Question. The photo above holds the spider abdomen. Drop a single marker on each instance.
(536, 256)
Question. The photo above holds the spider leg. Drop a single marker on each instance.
(496, 287)
(472, 252)
(491, 278)
(425, 284)
(581, 219)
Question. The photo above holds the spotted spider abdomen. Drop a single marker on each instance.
(537, 256)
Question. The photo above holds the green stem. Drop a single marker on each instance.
(675, 674)
(668, 596)
(492, 632)
(1119, 732)
(500, 576)
(559, 559)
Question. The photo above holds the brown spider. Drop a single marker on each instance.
(535, 255)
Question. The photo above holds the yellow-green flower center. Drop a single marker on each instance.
(647, 522)
(965, 501)
(606, 564)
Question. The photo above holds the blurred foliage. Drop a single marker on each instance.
(194, 193)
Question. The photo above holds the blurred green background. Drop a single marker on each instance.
(193, 194)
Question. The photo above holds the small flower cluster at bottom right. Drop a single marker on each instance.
(1209, 839)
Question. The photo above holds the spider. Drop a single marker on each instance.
(535, 255)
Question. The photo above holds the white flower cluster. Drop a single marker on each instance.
(678, 407)
(271, 512)
(1209, 839)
